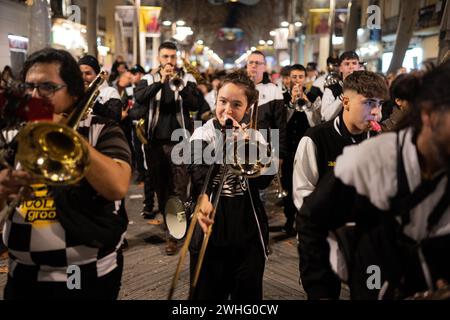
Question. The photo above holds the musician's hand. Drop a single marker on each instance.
(11, 181)
(305, 97)
(166, 72)
(125, 112)
(205, 210)
(295, 93)
(336, 89)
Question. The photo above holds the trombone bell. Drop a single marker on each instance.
(52, 152)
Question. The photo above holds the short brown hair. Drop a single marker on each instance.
(241, 79)
(367, 83)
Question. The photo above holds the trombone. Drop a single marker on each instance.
(54, 153)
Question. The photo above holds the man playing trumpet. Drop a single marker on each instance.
(166, 110)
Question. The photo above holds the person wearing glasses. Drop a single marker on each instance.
(271, 111)
(72, 230)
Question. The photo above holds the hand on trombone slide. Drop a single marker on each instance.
(239, 130)
(204, 212)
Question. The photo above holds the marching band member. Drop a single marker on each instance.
(396, 188)
(109, 103)
(321, 145)
(235, 257)
(271, 111)
(79, 225)
(331, 99)
(301, 115)
(166, 111)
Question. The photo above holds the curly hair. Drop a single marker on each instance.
(241, 79)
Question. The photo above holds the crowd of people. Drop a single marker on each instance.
(364, 158)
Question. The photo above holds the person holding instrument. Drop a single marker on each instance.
(166, 111)
(233, 264)
(301, 115)
(71, 228)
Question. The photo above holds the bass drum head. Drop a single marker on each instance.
(176, 220)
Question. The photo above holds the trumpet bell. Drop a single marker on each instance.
(176, 220)
(282, 194)
(176, 84)
(52, 152)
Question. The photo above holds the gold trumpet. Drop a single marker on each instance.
(281, 193)
(176, 82)
(54, 153)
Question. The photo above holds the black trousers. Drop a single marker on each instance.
(138, 153)
(287, 171)
(168, 179)
(149, 192)
(106, 287)
(230, 272)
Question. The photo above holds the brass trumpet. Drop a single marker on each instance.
(140, 131)
(281, 193)
(176, 82)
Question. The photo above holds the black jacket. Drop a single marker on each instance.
(147, 103)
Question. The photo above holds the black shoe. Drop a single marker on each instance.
(146, 214)
(124, 245)
(140, 178)
(171, 247)
(288, 228)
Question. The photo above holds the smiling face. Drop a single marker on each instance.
(359, 111)
(231, 102)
